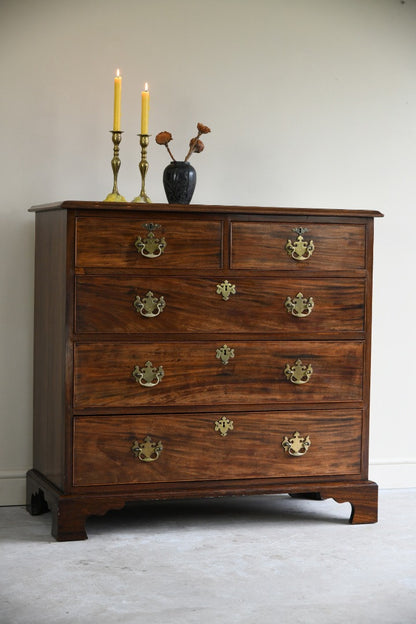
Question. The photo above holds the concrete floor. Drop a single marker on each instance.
(251, 560)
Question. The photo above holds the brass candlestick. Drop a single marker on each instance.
(143, 166)
(115, 196)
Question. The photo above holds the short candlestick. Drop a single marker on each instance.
(143, 198)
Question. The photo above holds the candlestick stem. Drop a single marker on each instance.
(143, 198)
(115, 196)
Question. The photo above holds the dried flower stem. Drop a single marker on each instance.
(170, 153)
(192, 147)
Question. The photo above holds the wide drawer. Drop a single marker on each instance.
(114, 304)
(269, 245)
(194, 373)
(146, 449)
(138, 242)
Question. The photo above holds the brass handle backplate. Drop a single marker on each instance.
(296, 445)
(149, 306)
(299, 306)
(151, 246)
(300, 249)
(225, 289)
(147, 451)
(149, 375)
(298, 373)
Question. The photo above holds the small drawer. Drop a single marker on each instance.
(231, 374)
(295, 246)
(146, 242)
(115, 450)
(114, 304)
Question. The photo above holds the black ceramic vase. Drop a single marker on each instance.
(179, 180)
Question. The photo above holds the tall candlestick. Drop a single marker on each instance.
(115, 196)
(117, 102)
(145, 110)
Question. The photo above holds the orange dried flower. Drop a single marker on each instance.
(195, 144)
(203, 129)
(163, 138)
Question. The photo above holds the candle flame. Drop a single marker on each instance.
(146, 86)
(118, 73)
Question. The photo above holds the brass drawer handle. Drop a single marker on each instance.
(149, 375)
(297, 445)
(151, 246)
(149, 306)
(147, 451)
(300, 249)
(226, 289)
(299, 306)
(224, 354)
(298, 373)
(223, 426)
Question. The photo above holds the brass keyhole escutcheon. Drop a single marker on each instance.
(299, 373)
(148, 376)
(300, 249)
(147, 450)
(225, 289)
(223, 426)
(151, 246)
(296, 445)
(224, 354)
(299, 306)
(149, 306)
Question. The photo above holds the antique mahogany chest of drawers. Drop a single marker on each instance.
(191, 351)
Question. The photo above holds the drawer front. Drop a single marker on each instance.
(199, 373)
(138, 243)
(268, 246)
(154, 304)
(192, 448)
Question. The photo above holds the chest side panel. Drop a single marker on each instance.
(50, 354)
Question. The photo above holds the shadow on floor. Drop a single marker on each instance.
(214, 512)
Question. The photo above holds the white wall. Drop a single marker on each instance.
(311, 103)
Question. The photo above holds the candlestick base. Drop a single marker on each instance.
(143, 198)
(115, 196)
